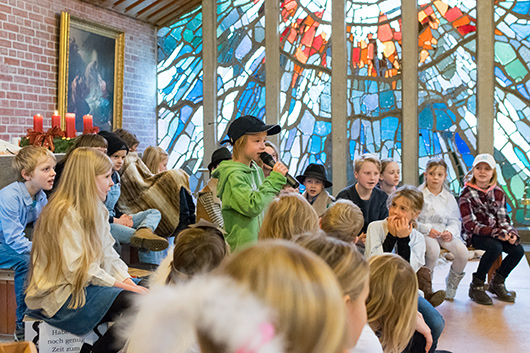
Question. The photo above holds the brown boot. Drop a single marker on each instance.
(498, 288)
(477, 292)
(145, 238)
(425, 285)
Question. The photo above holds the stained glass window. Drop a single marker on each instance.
(180, 95)
(512, 102)
(305, 86)
(241, 61)
(374, 79)
(447, 77)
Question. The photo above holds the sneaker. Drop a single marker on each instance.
(145, 238)
(19, 334)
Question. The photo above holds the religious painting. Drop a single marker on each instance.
(91, 58)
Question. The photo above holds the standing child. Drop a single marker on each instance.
(156, 159)
(439, 222)
(486, 226)
(398, 233)
(137, 229)
(77, 279)
(389, 178)
(315, 181)
(21, 202)
(242, 187)
(371, 201)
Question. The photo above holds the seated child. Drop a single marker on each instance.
(77, 279)
(315, 181)
(130, 139)
(397, 233)
(198, 250)
(137, 229)
(207, 315)
(86, 140)
(21, 203)
(390, 175)
(155, 158)
(273, 150)
(242, 187)
(343, 220)
(439, 222)
(288, 215)
(352, 271)
(208, 204)
(301, 289)
(371, 201)
(487, 226)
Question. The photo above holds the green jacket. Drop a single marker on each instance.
(245, 193)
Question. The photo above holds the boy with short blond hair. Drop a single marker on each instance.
(21, 203)
(343, 220)
(371, 201)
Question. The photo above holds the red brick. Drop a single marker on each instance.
(11, 61)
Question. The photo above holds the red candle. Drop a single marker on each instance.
(70, 124)
(87, 123)
(38, 123)
(56, 120)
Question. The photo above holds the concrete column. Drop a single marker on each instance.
(209, 59)
(485, 75)
(272, 65)
(340, 155)
(409, 84)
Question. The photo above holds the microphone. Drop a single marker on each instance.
(268, 160)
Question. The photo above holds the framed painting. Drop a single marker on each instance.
(91, 59)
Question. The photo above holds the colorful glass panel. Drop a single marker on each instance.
(512, 101)
(447, 76)
(241, 61)
(180, 95)
(374, 79)
(305, 86)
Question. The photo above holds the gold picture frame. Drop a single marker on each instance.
(91, 68)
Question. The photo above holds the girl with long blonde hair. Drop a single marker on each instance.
(352, 271)
(300, 288)
(288, 215)
(77, 280)
(156, 159)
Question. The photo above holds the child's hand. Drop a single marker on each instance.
(446, 236)
(361, 239)
(422, 328)
(402, 228)
(280, 168)
(434, 233)
(139, 290)
(124, 220)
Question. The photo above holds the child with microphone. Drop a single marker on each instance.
(243, 189)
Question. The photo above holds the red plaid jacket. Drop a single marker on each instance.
(484, 213)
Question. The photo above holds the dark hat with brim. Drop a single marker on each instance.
(249, 124)
(219, 155)
(316, 171)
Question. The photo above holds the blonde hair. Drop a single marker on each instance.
(28, 158)
(197, 251)
(346, 262)
(470, 177)
(300, 287)
(393, 301)
(385, 162)
(77, 191)
(343, 220)
(359, 161)
(411, 193)
(238, 147)
(129, 138)
(153, 156)
(86, 140)
(287, 216)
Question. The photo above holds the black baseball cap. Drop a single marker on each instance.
(219, 155)
(248, 124)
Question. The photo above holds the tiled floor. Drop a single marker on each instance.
(470, 327)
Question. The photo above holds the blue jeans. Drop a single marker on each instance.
(434, 320)
(10, 259)
(154, 257)
(145, 219)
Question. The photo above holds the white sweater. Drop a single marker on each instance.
(440, 212)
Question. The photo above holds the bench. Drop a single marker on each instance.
(8, 304)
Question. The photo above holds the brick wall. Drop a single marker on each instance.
(29, 60)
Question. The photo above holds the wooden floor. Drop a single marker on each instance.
(501, 327)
